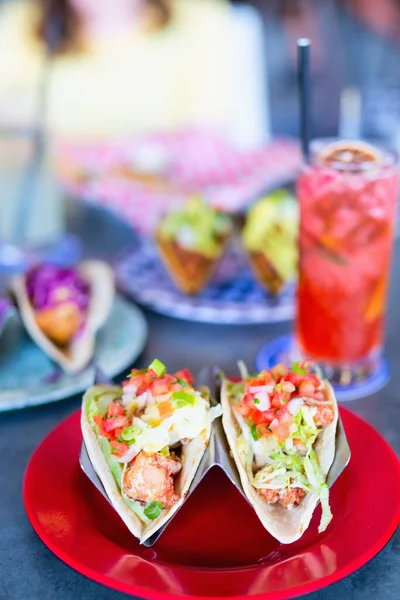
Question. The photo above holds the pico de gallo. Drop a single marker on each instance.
(281, 413)
(142, 429)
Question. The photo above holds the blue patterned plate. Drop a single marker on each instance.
(28, 377)
(232, 297)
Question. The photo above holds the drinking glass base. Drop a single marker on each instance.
(283, 350)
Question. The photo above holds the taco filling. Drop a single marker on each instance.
(191, 241)
(270, 240)
(60, 299)
(280, 415)
(146, 432)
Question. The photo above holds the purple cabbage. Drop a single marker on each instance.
(49, 286)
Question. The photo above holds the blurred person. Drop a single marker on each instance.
(129, 66)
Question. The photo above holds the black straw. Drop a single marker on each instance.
(303, 57)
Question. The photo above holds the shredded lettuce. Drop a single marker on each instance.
(246, 454)
(98, 398)
(283, 465)
(138, 509)
(116, 469)
(115, 466)
(320, 488)
(282, 471)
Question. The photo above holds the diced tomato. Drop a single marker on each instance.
(279, 399)
(99, 422)
(148, 378)
(151, 374)
(177, 387)
(255, 416)
(256, 381)
(279, 371)
(115, 423)
(118, 432)
(268, 415)
(165, 409)
(142, 388)
(242, 409)
(280, 426)
(118, 448)
(263, 378)
(314, 380)
(319, 396)
(264, 429)
(261, 417)
(115, 409)
(248, 399)
(294, 378)
(136, 380)
(160, 386)
(287, 386)
(307, 389)
(185, 375)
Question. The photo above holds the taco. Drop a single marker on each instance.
(191, 241)
(63, 308)
(145, 442)
(281, 428)
(269, 238)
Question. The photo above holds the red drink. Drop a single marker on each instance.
(348, 198)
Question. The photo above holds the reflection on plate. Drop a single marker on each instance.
(233, 296)
(216, 546)
(28, 377)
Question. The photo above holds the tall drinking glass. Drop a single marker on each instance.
(31, 207)
(348, 196)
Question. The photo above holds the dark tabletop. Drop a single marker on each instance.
(29, 570)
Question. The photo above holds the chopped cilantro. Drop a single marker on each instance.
(256, 401)
(182, 382)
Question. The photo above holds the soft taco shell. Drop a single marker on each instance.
(287, 526)
(76, 355)
(191, 456)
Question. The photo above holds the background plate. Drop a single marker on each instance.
(232, 297)
(215, 547)
(28, 376)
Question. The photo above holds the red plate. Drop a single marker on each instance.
(215, 547)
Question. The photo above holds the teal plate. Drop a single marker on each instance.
(28, 377)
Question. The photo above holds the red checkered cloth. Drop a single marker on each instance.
(198, 162)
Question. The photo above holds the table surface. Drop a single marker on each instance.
(29, 570)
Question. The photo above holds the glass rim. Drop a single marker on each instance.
(387, 157)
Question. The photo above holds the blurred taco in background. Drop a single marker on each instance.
(269, 238)
(191, 241)
(145, 442)
(281, 428)
(63, 307)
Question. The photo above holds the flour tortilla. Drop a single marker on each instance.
(191, 456)
(285, 525)
(79, 352)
